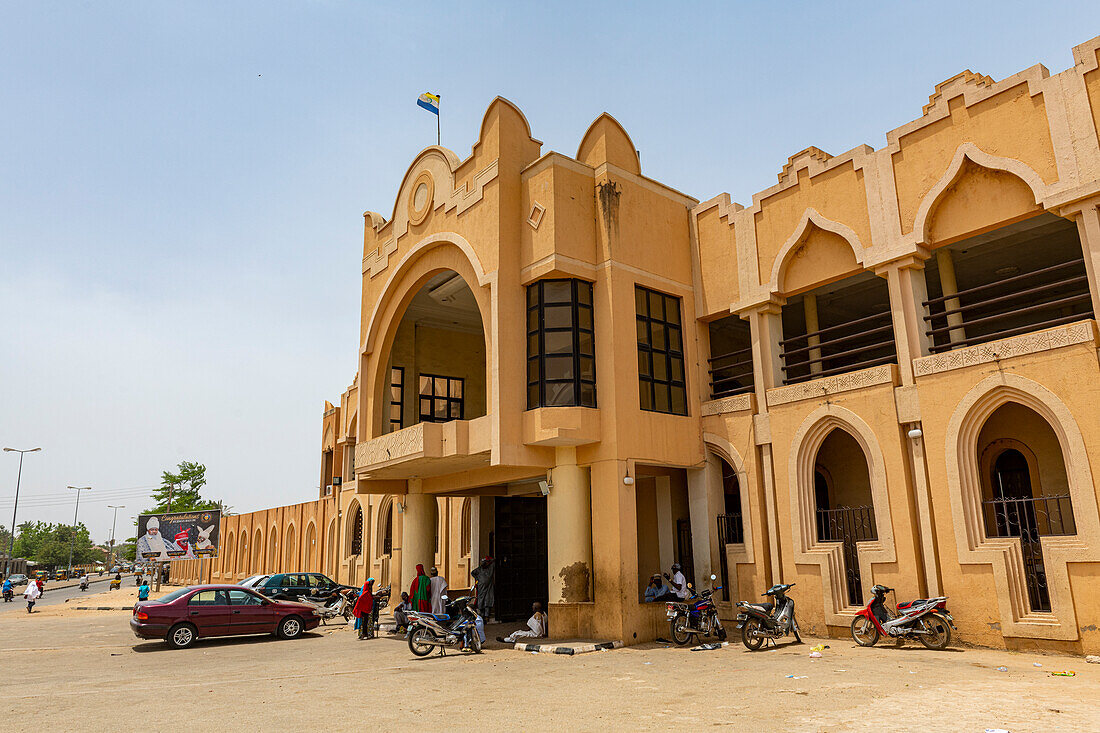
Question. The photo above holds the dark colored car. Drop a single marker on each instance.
(203, 611)
(288, 586)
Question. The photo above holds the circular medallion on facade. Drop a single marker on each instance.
(423, 193)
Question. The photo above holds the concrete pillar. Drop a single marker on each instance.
(928, 546)
(809, 306)
(766, 325)
(665, 530)
(950, 287)
(1088, 228)
(705, 503)
(418, 523)
(569, 530)
(908, 291)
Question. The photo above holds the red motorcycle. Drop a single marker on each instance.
(925, 619)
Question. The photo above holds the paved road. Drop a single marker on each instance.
(59, 595)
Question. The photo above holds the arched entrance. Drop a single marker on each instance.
(258, 552)
(242, 554)
(291, 563)
(1025, 490)
(844, 510)
(310, 548)
(354, 542)
(731, 527)
(435, 362)
(273, 551)
(333, 560)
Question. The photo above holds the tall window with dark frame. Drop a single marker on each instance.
(661, 383)
(397, 397)
(441, 398)
(561, 356)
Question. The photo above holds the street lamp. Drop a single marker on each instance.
(113, 518)
(72, 538)
(19, 478)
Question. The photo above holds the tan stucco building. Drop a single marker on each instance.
(883, 369)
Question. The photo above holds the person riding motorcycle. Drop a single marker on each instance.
(84, 582)
(9, 590)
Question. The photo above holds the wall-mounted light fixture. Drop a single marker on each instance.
(400, 507)
(915, 433)
(628, 479)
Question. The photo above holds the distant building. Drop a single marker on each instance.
(882, 369)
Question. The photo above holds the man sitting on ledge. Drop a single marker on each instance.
(536, 626)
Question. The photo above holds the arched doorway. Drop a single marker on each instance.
(1025, 489)
(242, 554)
(228, 554)
(257, 552)
(354, 542)
(291, 563)
(330, 553)
(844, 510)
(435, 368)
(310, 548)
(273, 552)
(731, 528)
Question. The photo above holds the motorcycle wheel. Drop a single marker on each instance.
(750, 636)
(417, 642)
(864, 632)
(721, 633)
(676, 630)
(937, 632)
(475, 642)
(794, 630)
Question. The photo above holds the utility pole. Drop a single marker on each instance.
(111, 559)
(160, 565)
(19, 478)
(72, 538)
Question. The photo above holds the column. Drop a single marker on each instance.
(950, 287)
(418, 523)
(569, 530)
(1088, 228)
(766, 324)
(908, 291)
(809, 306)
(705, 503)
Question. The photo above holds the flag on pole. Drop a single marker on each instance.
(429, 101)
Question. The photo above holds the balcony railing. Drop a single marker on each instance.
(1010, 306)
(856, 344)
(731, 374)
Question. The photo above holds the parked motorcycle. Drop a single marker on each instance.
(457, 629)
(697, 616)
(925, 619)
(760, 622)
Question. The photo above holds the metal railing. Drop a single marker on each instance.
(1041, 301)
(731, 531)
(1028, 519)
(731, 374)
(848, 525)
(845, 347)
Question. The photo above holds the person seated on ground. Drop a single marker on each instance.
(400, 614)
(536, 626)
(678, 582)
(657, 591)
(143, 591)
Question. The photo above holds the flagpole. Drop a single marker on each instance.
(437, 125)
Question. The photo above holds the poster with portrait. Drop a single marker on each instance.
(178, 535)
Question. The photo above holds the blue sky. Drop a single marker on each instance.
(181, 185)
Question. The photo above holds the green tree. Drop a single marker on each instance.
(185, 487)
(49, 544)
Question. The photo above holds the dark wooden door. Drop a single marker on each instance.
(520, 539)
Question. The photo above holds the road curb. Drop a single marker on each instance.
(568, 650)
(104, 608)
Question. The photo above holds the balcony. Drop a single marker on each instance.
(425, 449)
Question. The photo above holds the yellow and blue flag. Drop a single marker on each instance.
(429, 102)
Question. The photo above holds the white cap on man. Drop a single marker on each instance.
(153, 523)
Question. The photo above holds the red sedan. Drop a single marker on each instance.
(218, 610)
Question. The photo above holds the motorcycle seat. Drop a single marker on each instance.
(765, 607)
(439, 616)
(910, 604)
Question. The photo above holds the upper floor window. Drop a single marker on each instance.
(441, 398)
(561, 356)
(661, 383)
(397, 398)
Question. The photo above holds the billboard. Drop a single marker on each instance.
(178, 535)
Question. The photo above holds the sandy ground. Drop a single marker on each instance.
(84, 670)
